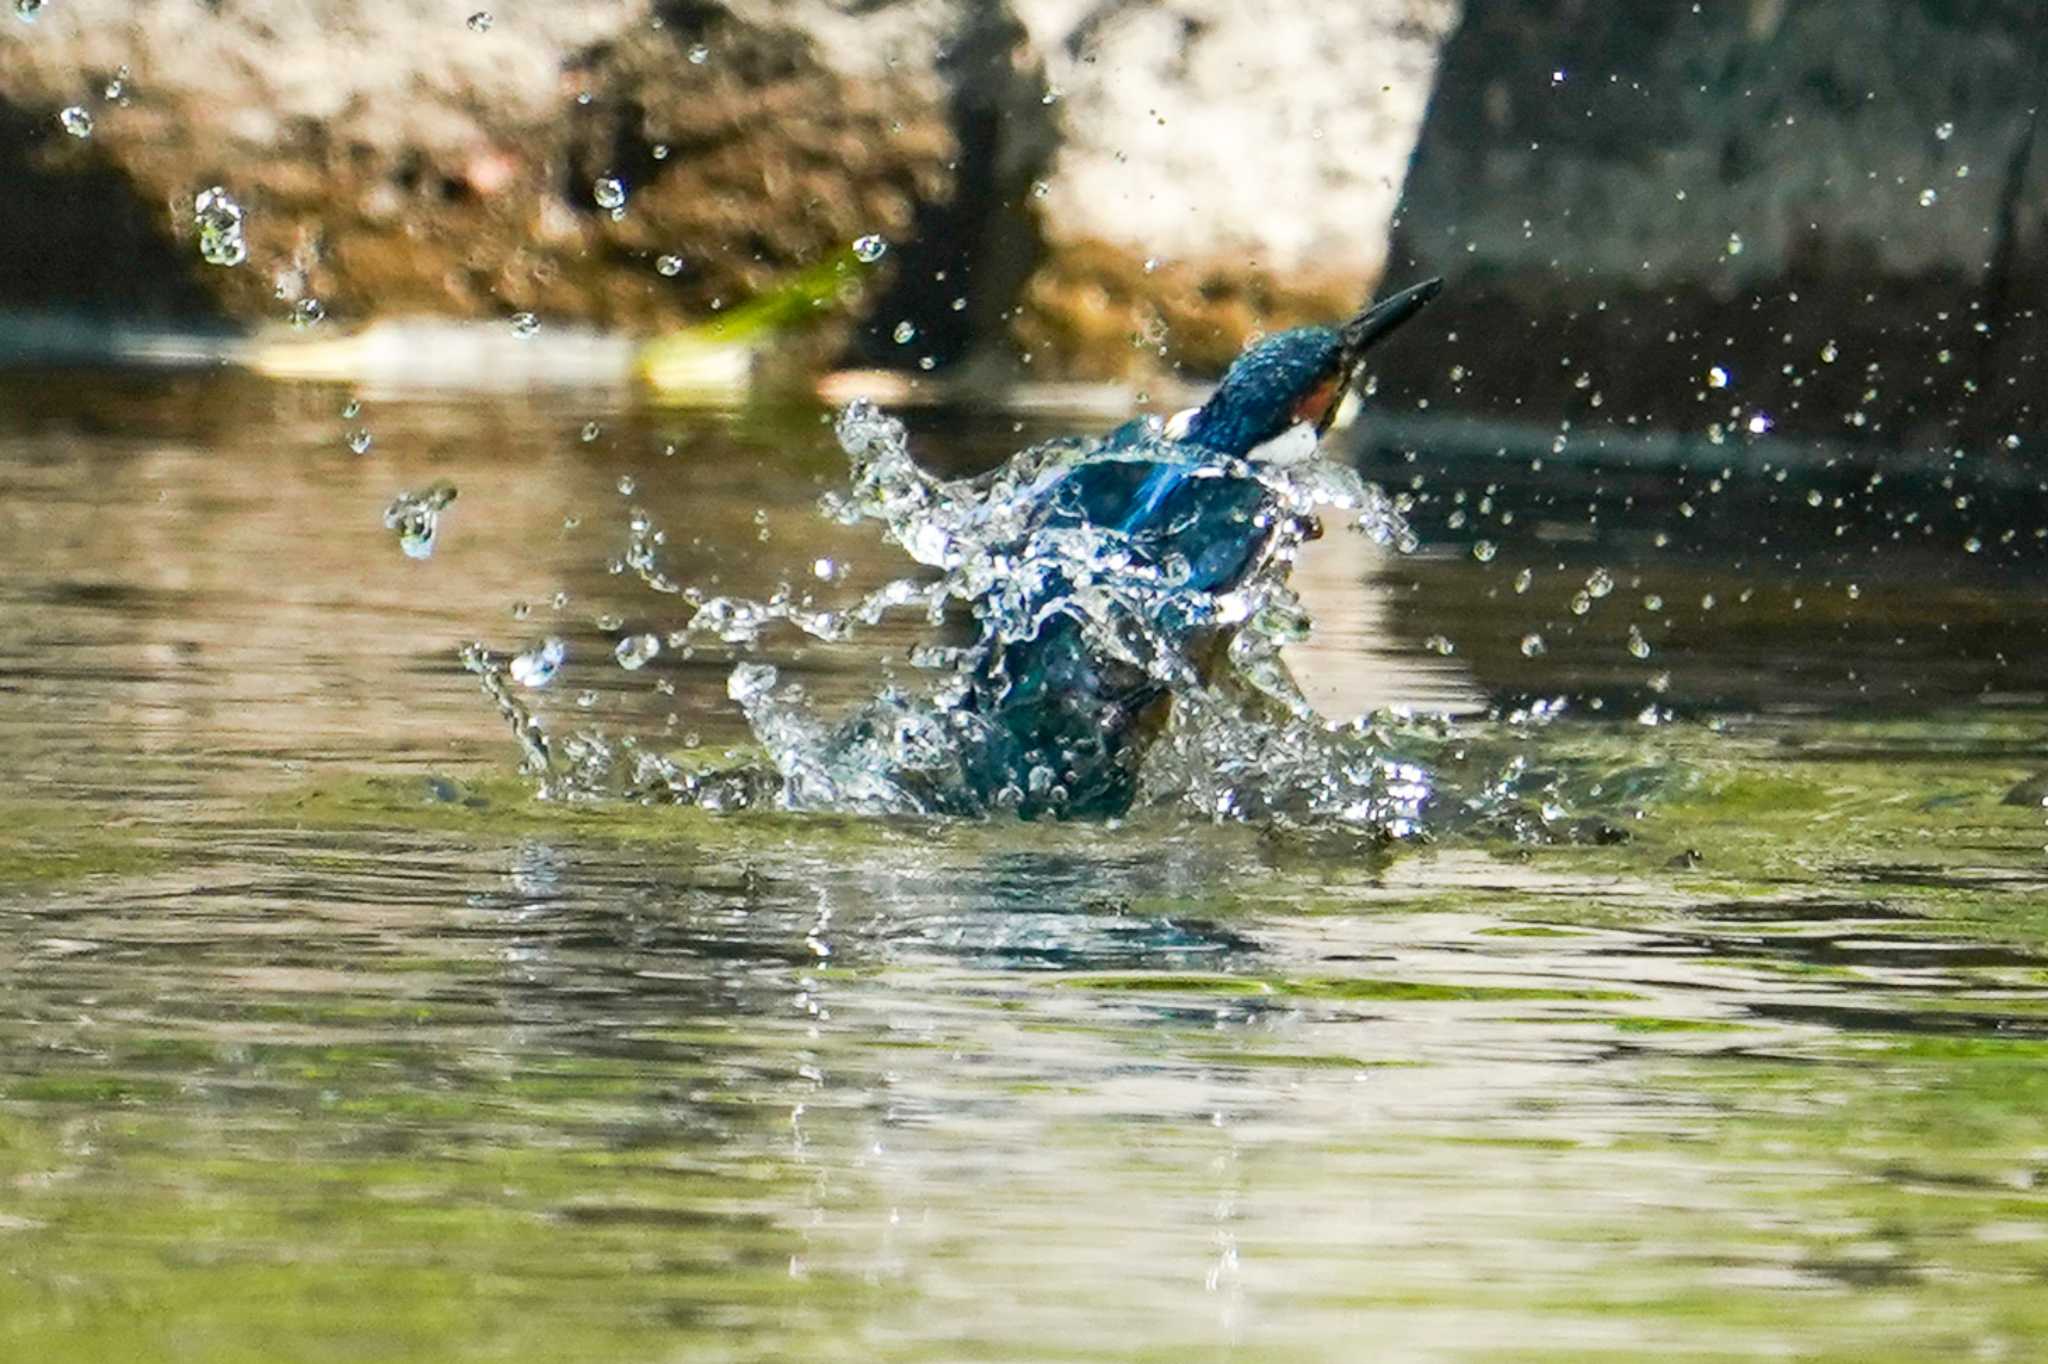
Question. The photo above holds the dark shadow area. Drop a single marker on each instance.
(75, 235)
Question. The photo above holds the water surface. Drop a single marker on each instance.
(322, 1041)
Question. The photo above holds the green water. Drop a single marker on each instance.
(319, 1040)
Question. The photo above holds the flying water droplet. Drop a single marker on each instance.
(219, 219)
(481, 21)
(699, 54)
(1927, 198)
(352, 409)
(538, 666)
(1637, 645)
(27, 10)
(671, 266)
(1718, 377)
(609, 192)
(524, 325)
(417, 518)
(360, 440)
(590, 431)
(1532, 646)
(634, 652)
(76, 121)
(1484, 551)
(1599, 582)
(869, 249)
(905, 333)
(1944, 131)
(750, 682)
(628, 485)
(308, 312)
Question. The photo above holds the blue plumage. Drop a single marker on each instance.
(1069, 721)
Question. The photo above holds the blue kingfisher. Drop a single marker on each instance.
(1067, 719)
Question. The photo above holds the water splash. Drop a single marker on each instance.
(1232, 739)
(417, 518)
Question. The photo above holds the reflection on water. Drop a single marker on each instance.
(321, 1042)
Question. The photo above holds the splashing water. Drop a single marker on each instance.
(417, 518)
(1186, 660)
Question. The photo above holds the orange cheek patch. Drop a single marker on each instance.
(1318, 401)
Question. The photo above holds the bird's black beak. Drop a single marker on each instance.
(1366, 330)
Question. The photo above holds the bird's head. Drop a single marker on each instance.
(1295, 376)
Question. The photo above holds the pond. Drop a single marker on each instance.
(324, 1040)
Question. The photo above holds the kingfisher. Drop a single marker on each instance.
(1066, 720)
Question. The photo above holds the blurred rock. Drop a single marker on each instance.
(1070, 187)
(1839, 206)
(392, 159)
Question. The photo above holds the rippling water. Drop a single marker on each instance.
(323, 1041)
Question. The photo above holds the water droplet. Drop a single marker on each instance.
(1734, 247)
(360, 440)
(1927, 198)
(1944, 131)
(1532, 646)
(869, 249)
(750, 682)
(634, 651)
(118, 86)
(76, 121)
(417, 518)
(1438, 644)
(524, 325)
(1759, 423)
(1637, 645)
(1522, 581)
(1581, 603)
(538, 666)
(670, 266)
(627, 485)
(1039, 189)
(351, 409)
(609, 191)
(960, 304)
(590, 432)
(1484, 550)
(219, 219)
(1717, 377)
(905, 333)
(1830, 353)
(27, 10)
(481, 21)
(699, 54)
(307, 312)
(1151, 264)
(1600, 582)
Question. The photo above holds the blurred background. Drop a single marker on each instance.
(1839, 207)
